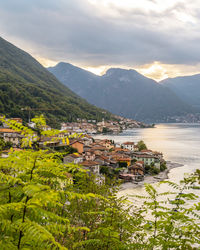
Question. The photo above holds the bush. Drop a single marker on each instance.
(154, 170)
(163, 167)
(151, 169)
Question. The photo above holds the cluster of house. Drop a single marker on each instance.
(94, 153)
(94, 127)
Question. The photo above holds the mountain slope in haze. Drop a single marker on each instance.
(186, 87)
(24, 82)
(123, 92)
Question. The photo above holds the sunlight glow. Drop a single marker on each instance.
(100, 70)
(46, 62)
(155, 71)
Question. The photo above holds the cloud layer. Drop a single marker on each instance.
(106, 32)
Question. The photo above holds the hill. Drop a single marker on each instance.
(123, 92)
(186, 87)
(24, 82)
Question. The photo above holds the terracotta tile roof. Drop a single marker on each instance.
(99, 148)
(145, 156)
(89, 163)
(135, 166)
(122, 149)
(128, 143)
(123, 159)
(73, 142)
(104, 157)
(7, 130)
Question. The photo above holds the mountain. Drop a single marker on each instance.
(26, 83)
(123, 92)
(186, 87)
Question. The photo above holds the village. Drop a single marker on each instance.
(129, 161)
(115, 126)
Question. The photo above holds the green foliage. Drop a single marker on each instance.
(109, 173)
(45, 204)
(4, 145)
(163, 166)
(173, 223)
(151, 169)
(141, 145)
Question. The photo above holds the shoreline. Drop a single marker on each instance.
(150, 179)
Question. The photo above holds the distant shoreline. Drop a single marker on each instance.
(149, 179)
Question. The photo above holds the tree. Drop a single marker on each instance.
(45, 204)
(141, 145)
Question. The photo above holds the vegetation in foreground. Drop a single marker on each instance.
(45, 204)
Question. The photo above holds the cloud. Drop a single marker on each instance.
(159, 71)
(95, 34)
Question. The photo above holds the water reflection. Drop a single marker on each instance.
(178, 142)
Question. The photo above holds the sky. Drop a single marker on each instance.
(158, 38)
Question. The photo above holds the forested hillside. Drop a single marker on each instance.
(26, 83)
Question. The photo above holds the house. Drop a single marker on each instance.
(108, 144)
(136, 169)
(122, 151)
(89, 155)
(77, 145)
(147, 158)
(99, 148)
(158, 154)
(122, 159)
(50, 142)
(87, 140)
(128, 145)
(105, 161)
(73, 158)
(93, 166)
(10, 135)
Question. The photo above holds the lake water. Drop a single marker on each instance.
(178, 142)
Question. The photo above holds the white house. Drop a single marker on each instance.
(128, 145)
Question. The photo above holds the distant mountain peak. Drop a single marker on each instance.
(125, 92)
(186, 87)
(64, 65)
(118, 71)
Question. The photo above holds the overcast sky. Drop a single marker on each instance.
(159, 38)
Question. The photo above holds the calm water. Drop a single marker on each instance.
(178, 142)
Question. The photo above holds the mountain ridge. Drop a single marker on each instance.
(186, 87)
(123, 92)
(25, 82)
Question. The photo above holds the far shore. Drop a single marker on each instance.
(149, 179)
